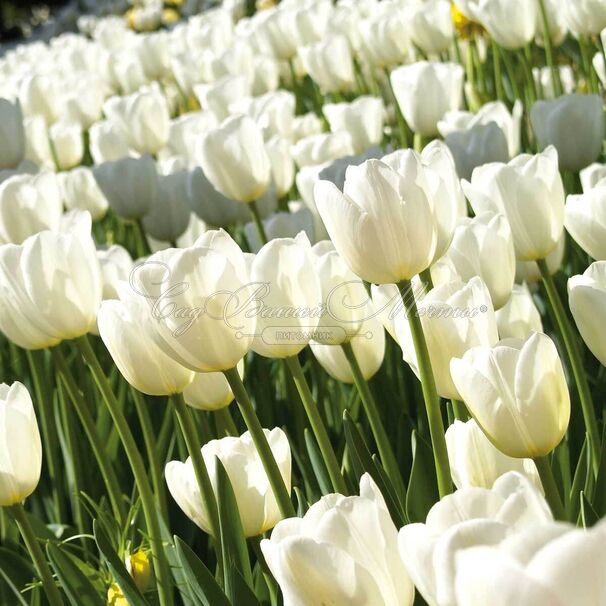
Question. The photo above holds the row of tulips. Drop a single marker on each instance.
(305, 304)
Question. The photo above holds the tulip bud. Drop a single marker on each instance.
(80, 191)
(384, 39)
(256, 502)
(12, 134)
(362, 119)
(483, 246)
(585, 221)
(217, 96)
(325, 546)
(107, 142)
(238, 144)
(37, 144)
(414, 84)
(124, 326)
(592, 175)
(517, 393)
(29, 204)
(289, 310)
(431, 26)
(519, 316)
(382, 224)
(474, 461)
(318, 149)
(168, 216)
(210, 390)
(529, 192)
(329, 63)
(574, 125)
(21, 454)
(116, 265)
(281, 225)
(130, 185)
(39, 310)
(282, 165)
(68, 144)
(585, 17)
(587, 295)
(469, 517)
(512, 23)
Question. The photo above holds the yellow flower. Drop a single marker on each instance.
(464, 27)
(115, 597)
(170, 15)
(139, 568)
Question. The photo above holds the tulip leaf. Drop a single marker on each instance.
(117, 568)
(362, 462)
(579, 481)
(16, 572)
(599, 498)
(317, 463)
(588, 515)
(422, 487)
(199, 579)
(78, 588)
(233, 542)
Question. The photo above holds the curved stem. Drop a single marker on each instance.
(260, 440)
(254, 209)
(136, 463)
(575, 364)
(35, 552)
(152, 452)
(192, 441)
(90, 429)
(550, 487)
(430, 394)
(555, 72)
(317, 425)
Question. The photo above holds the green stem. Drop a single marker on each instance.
(526, 59)
(386, 453)
(428, 386)
(192, 441)
(550, 487)
(149, 440)
(399, 115)
(44, 403)
(254, 209)
(226, 422)
(35, 552)
(511, 73)
(575, 363)
(136, 463)
(260, 440)
(90, 429)
(144, 248)
(459, 410)
(317, 425)
(602, 50)
(588, 67)
(498, 76)
(555, 72)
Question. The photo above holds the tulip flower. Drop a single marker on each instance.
(517, 393)
(470, 516)
(474, 461)
(585, 17)
(281, 225)
(282, 165)
(329, 63)
(587, 295)
(130, 185)
(21, 455)
(325, 147)
(210, 390)
(124, 326)
(288, 312)
(256, 502)
(217, 96)
(12, 134)
(384, 38)
(425, 91)
(79, 190)
(585, 221)
(528, 271)
(29, 204)
(529, 192)
(116, 265)
(382, 224)
(68, 144)
(144, 117)
(39, 310)
(168, 216)
(512, 23)
(237, 144)
(483, 246)
(543, 78)
(107, 142)
(39, 95)
(362, 119)
(343, 551)
(456, 317)
(519, 316)
(431, 26)
(592, 175)
(574, 125)
(368, 347)
(554, 565)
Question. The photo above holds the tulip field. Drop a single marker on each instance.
(303, 303)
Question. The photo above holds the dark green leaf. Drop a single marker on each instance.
(422, 488)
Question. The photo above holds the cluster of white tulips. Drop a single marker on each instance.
(304, 303)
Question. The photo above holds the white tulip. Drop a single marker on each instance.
(210, 390)
(519, 316)
(21, 455)
(282, 164)
(324, 147)
(329, 63)
(80, 191)
(107, 142)
(256, 502)
(343, 551)
(543, 78)
(512, 23)
(592, 175)
(281, 225)
(431, 26)
(116, 264)
(384, 38)
(587, 295)
(68, 144)
(528, 271)
(585, 17)
(585, 221)
(217, 96)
